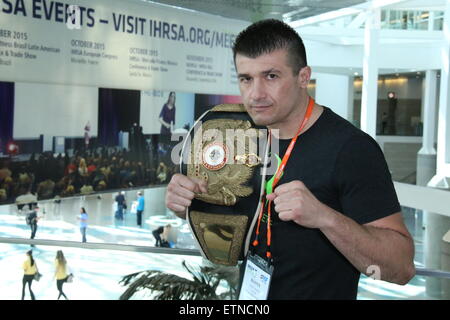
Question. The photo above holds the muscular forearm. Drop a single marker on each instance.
(387, 253)
(383, 245)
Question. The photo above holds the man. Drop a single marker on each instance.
(161, 235)
(87, 129)
(384, 121)
(121, 204)
(157, 235)
(334, 212)
(140, 208)
(32, 220)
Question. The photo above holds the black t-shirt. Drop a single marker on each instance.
(345, 169)
(120, 199)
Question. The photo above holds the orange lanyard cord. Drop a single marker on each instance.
(269, 231)
(277, 178)
(288, 152)
(256, 242)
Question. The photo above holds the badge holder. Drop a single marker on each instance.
(257, 278)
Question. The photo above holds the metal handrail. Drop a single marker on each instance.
(432, 273)
(105, 246)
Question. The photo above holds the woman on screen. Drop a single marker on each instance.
(167, 115)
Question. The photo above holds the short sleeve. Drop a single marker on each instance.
(163, 112)
(364, 182)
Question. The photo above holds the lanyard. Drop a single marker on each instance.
(277, 178)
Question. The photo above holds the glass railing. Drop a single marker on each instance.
(58, 220)
(98, 274)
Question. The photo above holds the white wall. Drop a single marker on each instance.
(54, 110)
(333, 90)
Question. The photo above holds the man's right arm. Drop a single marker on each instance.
(180, 192)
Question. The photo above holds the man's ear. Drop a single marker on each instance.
(304, 76)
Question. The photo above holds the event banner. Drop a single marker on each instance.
(117, 44)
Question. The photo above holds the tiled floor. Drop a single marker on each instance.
(97, 272)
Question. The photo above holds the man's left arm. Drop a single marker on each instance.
(384, 244)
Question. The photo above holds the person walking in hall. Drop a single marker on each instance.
(87, 129)
(83, 218)
(384, 121)
(61, 273)
(121, 205)
(29, 271)
(32, 220)
(140, 208)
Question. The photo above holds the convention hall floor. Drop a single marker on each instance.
(98, 271)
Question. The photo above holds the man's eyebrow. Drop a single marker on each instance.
(271, 70)
(243, 75)
(265, 72)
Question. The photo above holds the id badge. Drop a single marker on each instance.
(257, 277)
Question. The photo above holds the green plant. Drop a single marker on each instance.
(165, 286)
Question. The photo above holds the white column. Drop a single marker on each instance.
(370, 73)
(443, 135)
(438, 225)
(351, 99)
(426, 157)
(336, 92)
(429, 113)
(431, 18)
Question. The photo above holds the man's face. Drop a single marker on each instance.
(270, 91)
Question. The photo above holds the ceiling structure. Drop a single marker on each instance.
(306, 15)
(253, 10)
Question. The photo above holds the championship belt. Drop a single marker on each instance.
(225, 149)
